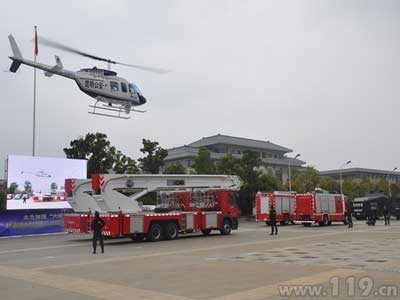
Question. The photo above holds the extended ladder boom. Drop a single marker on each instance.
(79, 195)
(107, 187)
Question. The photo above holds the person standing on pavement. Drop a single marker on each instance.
(349, 218)
(386, 214)
(97, 226)
(272, 217)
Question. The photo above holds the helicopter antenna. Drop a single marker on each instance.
(57, 45)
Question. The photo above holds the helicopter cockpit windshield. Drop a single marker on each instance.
(134, 89)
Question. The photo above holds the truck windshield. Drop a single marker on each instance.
(233, 198)
(133, 89)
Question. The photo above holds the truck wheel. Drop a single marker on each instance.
(206, 231)
(325, 221)
(398, 218)
(226, 227)
(171, 232)
(155, 233)
(286, 220)
(307, 224)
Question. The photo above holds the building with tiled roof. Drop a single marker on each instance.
(273, 156)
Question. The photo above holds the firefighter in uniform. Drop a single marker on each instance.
(272, 217)
(97, 226)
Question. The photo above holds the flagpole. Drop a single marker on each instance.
(34, 97)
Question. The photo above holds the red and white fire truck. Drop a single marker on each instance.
(283, 202)
(321, 208)
(317, 207)
(186, 204)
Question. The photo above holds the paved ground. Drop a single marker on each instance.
(249, 264)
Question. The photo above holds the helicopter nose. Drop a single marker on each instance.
(142, 100)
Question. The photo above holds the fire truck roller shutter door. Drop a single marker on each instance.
(278, 204)
(332, 204)
(318, 204)
(264, 207)
(291, 205)
(324, 203)
(285, 204)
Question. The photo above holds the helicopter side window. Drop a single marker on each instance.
(123, 87)
(86, 83)
(114, 86)
(91, 83)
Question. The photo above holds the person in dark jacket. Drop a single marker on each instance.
(386, 214)
(97, 226)
(349, 218)
(272, 217)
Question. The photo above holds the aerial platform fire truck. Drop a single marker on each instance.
(283, 202)
(185, 204)
(318, 207)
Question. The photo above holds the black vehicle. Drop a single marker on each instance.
(395, 207)
(371, 204)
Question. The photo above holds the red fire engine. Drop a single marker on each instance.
(284, 204)
(322, 208)
(186, 204)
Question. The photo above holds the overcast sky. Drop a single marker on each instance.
(319, 77)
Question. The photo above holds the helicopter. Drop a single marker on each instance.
(113, 94)
(39, 173)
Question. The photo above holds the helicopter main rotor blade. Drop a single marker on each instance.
(60, 46)
(57, 45)
(144, 68)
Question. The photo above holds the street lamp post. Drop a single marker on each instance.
(341, 180)
(387, 178)
(290, 179)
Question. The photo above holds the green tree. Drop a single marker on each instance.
(13, 188)
(124, 164)
(101, 156)
(382, 186)
(154, 157)
(28, 187)
(306, 181)
(354, 188)
(203, 163)
(96, 149)
(395, 189)
(329, 184)
(250, 163)
(268, 182)
(177, 168)
(228, 165)
(365, 186)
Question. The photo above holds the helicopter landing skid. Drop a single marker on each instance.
(117, 110)
(132, 109)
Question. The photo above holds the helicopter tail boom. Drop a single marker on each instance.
(18, 60)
